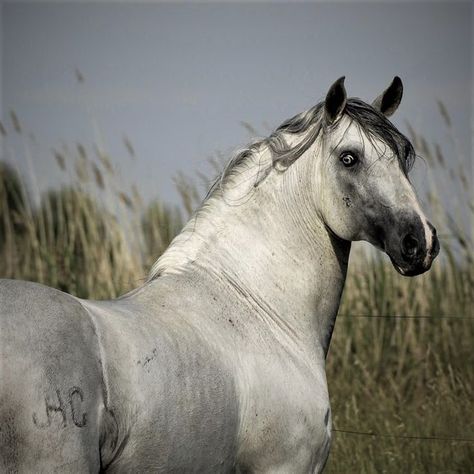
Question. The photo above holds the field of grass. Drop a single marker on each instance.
(401, 364)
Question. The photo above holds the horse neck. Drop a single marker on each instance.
(270, 244)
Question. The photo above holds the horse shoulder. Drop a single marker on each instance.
(163, 377)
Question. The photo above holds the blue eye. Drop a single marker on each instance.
(349, 159)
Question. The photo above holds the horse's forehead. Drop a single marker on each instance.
(347, 131)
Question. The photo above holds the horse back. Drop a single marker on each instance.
(51, 381)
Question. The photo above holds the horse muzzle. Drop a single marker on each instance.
(415, 251)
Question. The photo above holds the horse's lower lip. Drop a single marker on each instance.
(410, 271)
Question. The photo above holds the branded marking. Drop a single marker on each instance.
(55, 404)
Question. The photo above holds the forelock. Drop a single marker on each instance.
(377, 126)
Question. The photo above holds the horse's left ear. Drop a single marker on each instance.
(389, 100)
(335, 101)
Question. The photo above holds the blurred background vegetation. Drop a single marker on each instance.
(401, 360)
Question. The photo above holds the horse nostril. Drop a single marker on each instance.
(410, 246)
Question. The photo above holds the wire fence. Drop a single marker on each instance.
(405, 437)
(432, 318)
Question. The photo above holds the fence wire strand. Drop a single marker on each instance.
(411, 437)
(432, 318)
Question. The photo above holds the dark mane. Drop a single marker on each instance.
(371, 121)
(376, 125)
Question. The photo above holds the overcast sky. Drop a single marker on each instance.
(178, 79)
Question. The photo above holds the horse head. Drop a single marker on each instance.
(363, 190)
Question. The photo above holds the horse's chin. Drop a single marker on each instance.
(411, 270)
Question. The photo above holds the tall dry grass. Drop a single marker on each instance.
(390, 373)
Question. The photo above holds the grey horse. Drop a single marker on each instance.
(217, 363)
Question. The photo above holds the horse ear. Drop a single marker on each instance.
(389, 100)
(335, 101)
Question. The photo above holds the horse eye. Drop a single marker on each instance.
(349, 159)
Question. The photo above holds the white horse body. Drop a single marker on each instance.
(218, 352)
(217, 364)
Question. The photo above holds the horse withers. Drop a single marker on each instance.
(217, 363)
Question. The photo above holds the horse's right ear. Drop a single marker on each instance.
(335, 101)
(389, 100)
